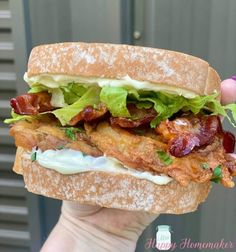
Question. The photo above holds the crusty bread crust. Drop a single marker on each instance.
(111, 190)
(117, 61)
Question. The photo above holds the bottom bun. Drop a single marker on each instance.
(110, 189)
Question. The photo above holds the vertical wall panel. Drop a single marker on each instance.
(14, 214)
(181, 25)
(50, 21)
(205, 29)
(201, 12)
(154, 21)
(230, 45)
(96, 20)
(222, 51)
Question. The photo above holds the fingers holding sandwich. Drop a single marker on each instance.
(228, 90)
(126, 224)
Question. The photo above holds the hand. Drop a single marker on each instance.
(91, 228)
(228, 91)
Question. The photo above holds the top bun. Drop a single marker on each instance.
(113, 61)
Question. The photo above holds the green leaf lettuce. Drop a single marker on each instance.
(74, 97)
(16, 117)
(115, 98)
(90, 97)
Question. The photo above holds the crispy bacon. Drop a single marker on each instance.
(209, 126)
(129, 123)
(183, 144)
(185, 134)
(31, 104)
(89, 114)
(140, 117)
(231, 164)
(228, 142)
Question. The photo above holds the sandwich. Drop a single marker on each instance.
(122, 126)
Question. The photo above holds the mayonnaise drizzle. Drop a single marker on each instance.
(56, 80)
(67, 161)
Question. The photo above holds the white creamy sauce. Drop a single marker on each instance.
(67, 161)
(55, 81)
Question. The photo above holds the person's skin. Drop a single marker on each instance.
(86, 228)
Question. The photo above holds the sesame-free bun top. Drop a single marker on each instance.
(158, 67)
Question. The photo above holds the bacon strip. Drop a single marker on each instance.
(31, 104)
(144, 116)
(89, 114)
(183, 144)
(209, 126)
(231, 164)
(228, 142)
(186, 134)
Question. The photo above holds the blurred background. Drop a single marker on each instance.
(204, 28)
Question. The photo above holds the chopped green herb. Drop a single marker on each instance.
(140, 132)
(71, 132)
(217, 174)
(60, 147)
(216, 180)
(205, 166)
(33, 156)
(165, 157)
(217, 171)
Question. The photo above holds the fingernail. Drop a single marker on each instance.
(233, 77)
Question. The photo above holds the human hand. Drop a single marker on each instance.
(228, 90)
(92, 228)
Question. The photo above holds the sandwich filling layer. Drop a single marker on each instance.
(157, 130)
(143, 151)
